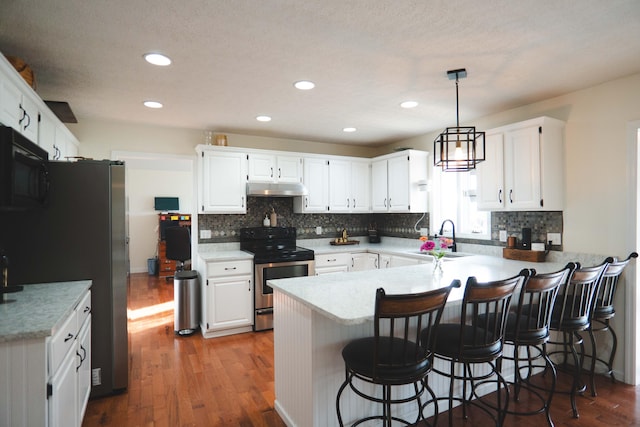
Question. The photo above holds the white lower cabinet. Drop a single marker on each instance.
(46, 380)
(364, 261)
(63, 387)
(227, 300)
(70, 379)
(389, 261)
(83, 367)
(332, 263)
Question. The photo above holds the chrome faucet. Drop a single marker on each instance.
(453, 234)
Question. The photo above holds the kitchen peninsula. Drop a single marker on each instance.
(315, 317)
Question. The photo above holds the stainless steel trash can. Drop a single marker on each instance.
(186, 299)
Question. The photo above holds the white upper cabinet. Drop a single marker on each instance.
(379, 186)
(266, 167)
(349, 188)
(18, 110)
(360, 186)
(223, 181)
(316, 180)
(22, 109)
(339, 186)
(523, 169)
(398, 181)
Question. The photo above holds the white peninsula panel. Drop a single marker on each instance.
(315, 317)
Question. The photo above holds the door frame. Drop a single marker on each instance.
(632, 296)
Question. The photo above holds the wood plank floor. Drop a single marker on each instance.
(228, 381)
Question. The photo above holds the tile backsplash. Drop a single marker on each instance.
(225, 228)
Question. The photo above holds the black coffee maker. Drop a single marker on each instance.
(374, 237)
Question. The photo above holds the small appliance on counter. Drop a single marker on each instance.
(374, 236)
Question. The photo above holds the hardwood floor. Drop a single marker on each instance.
(228, 381)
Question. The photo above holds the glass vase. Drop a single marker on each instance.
(437, 265)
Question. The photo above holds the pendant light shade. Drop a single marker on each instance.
(459, 148)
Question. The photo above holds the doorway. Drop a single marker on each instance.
(149, 175)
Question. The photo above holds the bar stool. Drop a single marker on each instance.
(572, 314)
(394, 356)
(603, 311)
(476, 340)
(528, 329)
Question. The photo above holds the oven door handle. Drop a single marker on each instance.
(264, 311)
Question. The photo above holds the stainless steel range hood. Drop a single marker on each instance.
(276, 190)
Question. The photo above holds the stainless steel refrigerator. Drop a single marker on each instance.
(80, 234)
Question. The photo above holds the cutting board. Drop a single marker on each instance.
(523, 255)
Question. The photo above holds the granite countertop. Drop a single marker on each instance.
(349, 298)
(39, 310)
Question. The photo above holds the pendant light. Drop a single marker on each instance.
(458, 149)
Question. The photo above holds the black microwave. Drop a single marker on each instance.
(24, 176)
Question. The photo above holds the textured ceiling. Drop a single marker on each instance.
(234, 60)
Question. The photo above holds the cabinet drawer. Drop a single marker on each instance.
(229, 268)
(83, 310)
(327, 260)
(62, 342)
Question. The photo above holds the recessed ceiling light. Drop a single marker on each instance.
(304, 85)
(152, 104)
(409, 104)
(263, 118)
(349, 129)
(157, 59)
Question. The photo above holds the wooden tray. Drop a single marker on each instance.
(524, 255)
(348, 242)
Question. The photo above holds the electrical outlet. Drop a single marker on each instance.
(503, 235)
(318, 230)
(555, 238)
(205, 234)
(96, 376)
(424, 232)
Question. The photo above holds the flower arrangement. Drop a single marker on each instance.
(437, 247)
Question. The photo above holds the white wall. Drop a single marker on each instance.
(150, 175)
(160, 161)
(595, 213)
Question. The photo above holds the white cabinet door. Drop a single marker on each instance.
(316, 179)
(223, 182)
(83, 355)
(47, 134)
(490, 174)
(320, 271)
(30, 118)
(229, 302)
(339, 186)
(10, 99)
(261, 167)
(332, 263)
(384, 261)
(364, 261)
(400, 261)
(266, 167)
(522, 168)
(289, 169)
(379, 186)
(526, 161)
(63, 401)
(398, 179)
(360, 186)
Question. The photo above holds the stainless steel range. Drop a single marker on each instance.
(275, 256)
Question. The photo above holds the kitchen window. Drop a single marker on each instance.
(454, 197)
